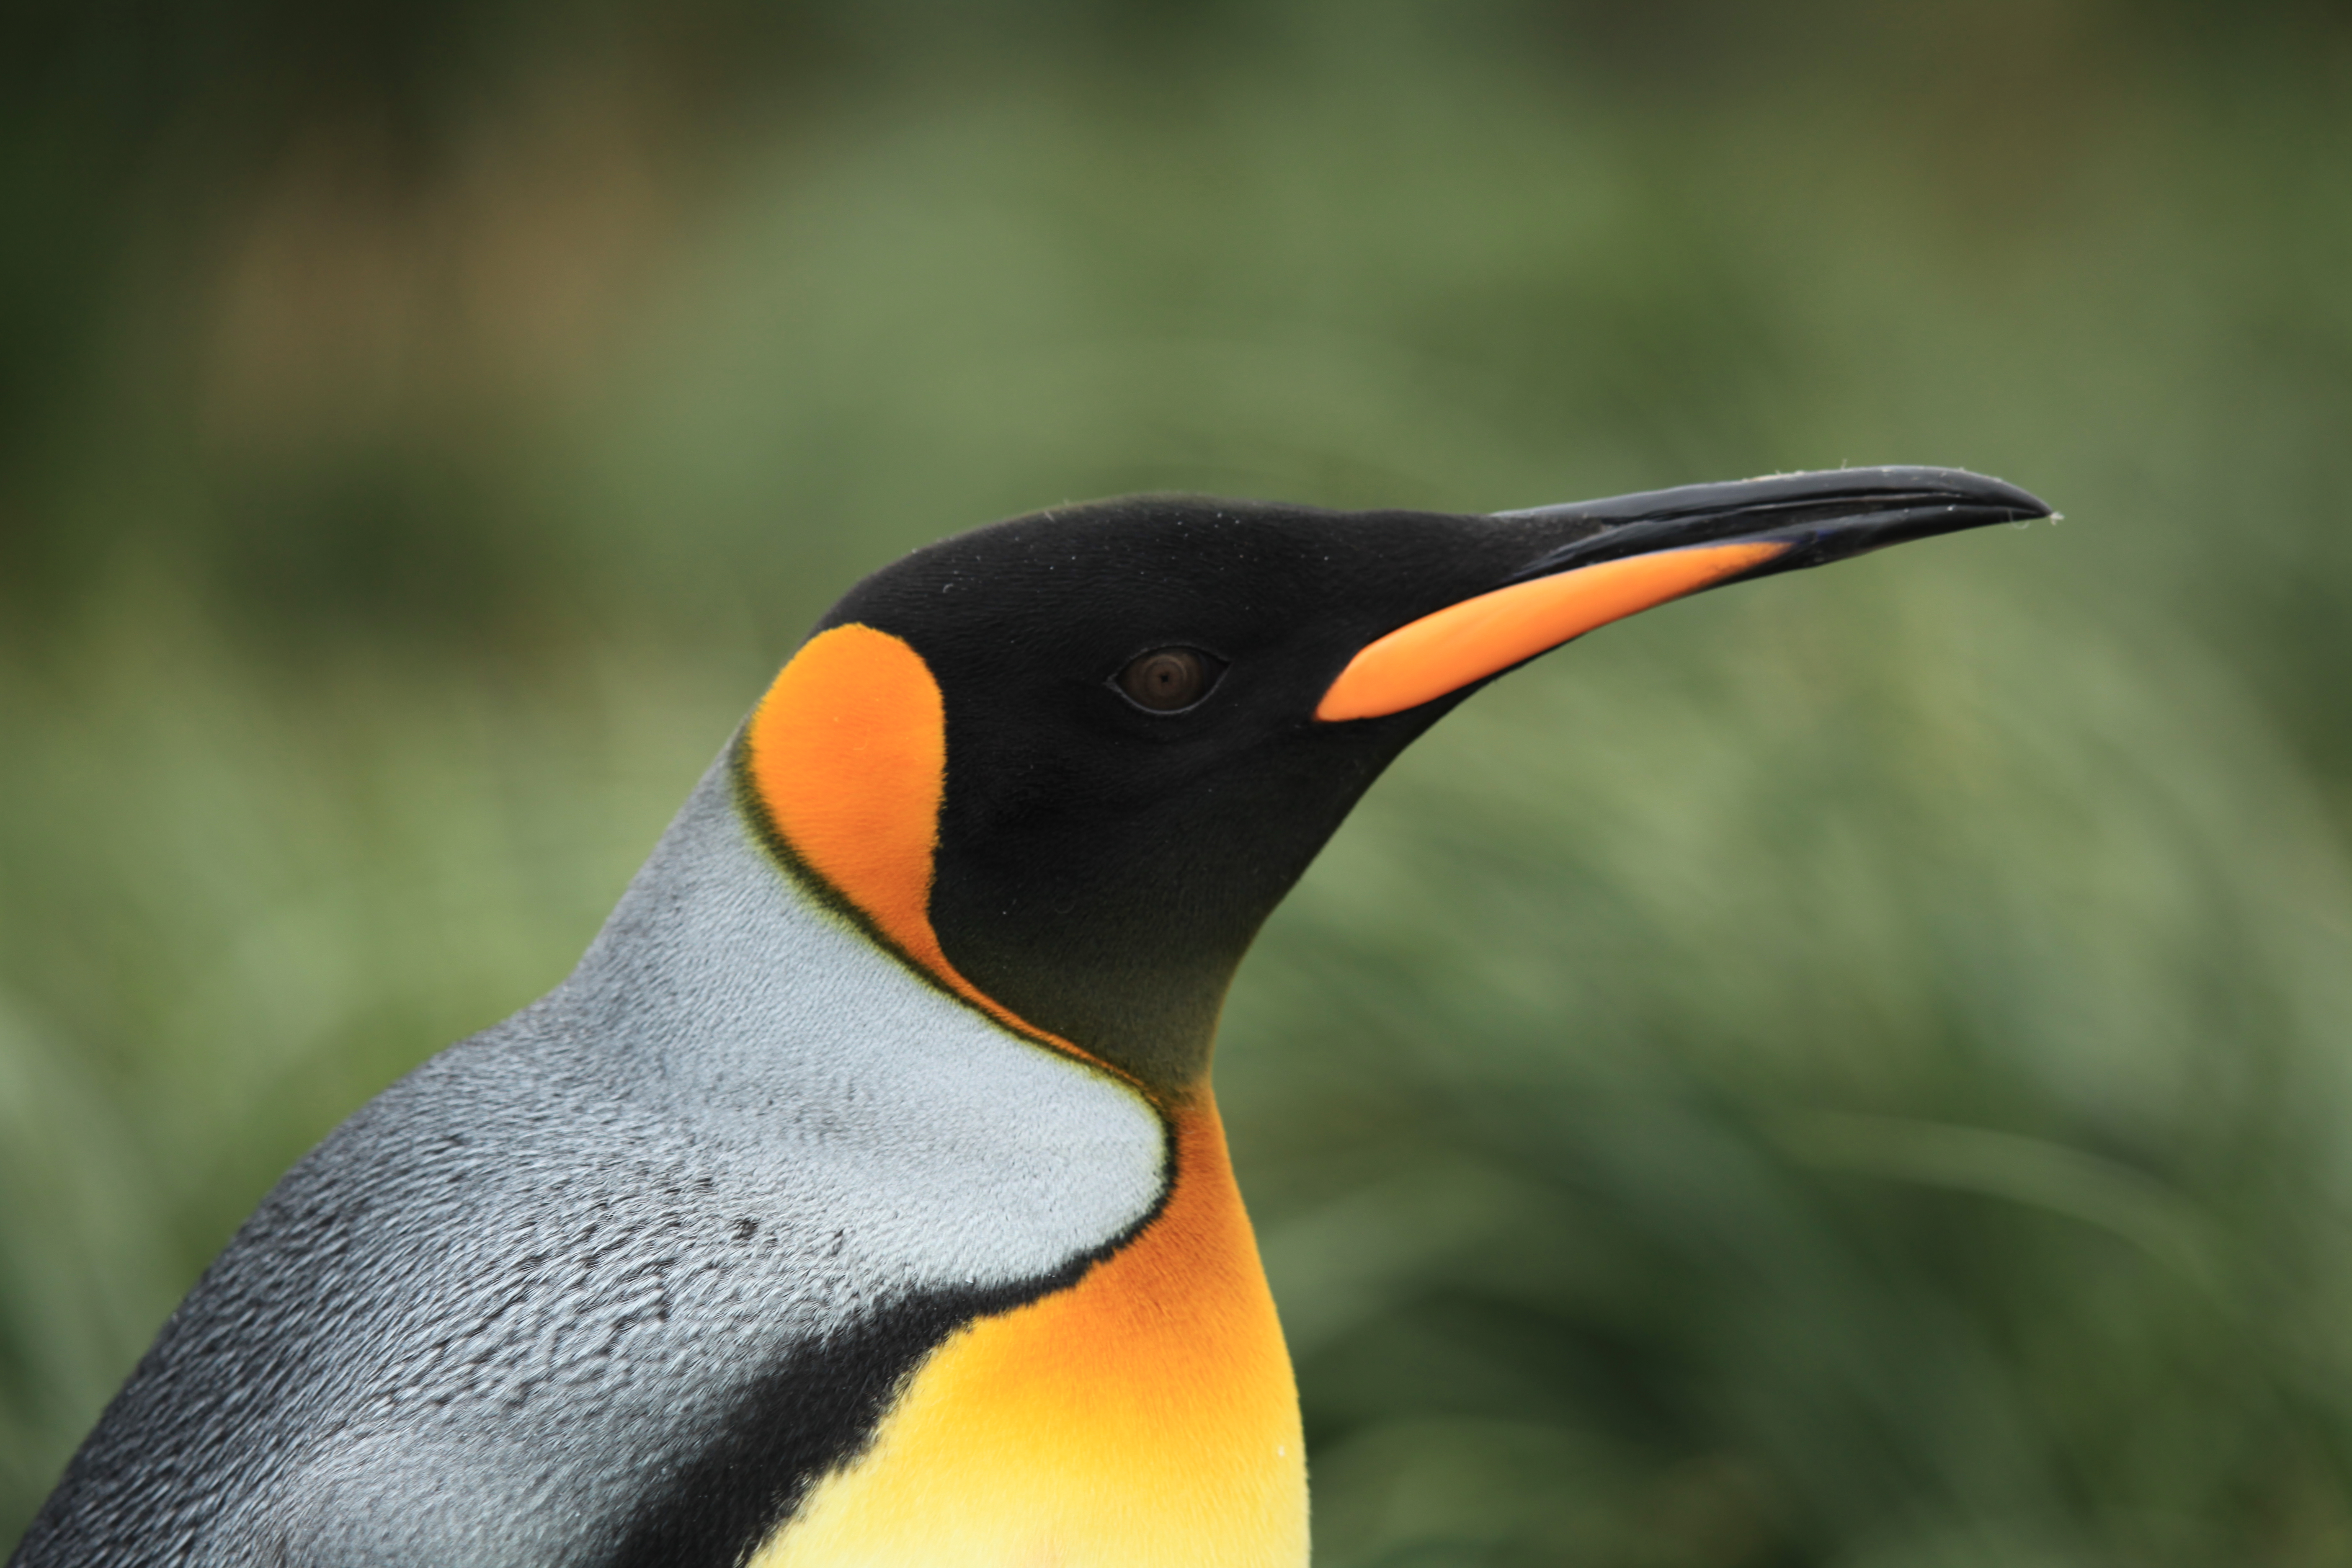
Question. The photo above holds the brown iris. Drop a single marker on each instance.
(1168, 679)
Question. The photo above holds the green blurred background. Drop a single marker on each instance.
(1847, 1071)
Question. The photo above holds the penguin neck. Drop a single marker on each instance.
(1138, 981)
(725, 963)
(1128, 999)
(1154, 1022)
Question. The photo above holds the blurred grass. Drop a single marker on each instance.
(1850, 1071)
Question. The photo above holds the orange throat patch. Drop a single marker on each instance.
(1145, 1416)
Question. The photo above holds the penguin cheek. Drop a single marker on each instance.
(847, 755)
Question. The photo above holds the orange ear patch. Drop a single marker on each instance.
(1448, 649)
(849, 752)
(849, 757)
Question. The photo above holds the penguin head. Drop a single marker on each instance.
(1065, 765)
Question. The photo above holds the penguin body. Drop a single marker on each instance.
(606, 1282)
(860, 1199)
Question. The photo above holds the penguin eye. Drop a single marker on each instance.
(1168, 679)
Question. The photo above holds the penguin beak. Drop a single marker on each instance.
(1618, 557)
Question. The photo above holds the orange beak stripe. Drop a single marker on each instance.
(1448, 649)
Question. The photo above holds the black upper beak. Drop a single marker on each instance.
(1823, 517)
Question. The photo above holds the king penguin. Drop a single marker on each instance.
(860, 1199)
